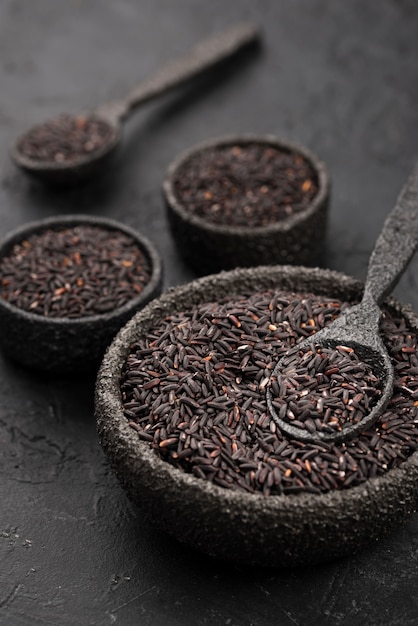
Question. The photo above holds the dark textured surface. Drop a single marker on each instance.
(278, 531)
(339, 77)
(209, 247)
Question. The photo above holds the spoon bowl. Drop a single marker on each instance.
(205, 55)
(65, 173)
(376, 356)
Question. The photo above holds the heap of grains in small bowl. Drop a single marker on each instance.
(73, 271)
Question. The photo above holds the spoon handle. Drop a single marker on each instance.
(396, 243)
(206, 54)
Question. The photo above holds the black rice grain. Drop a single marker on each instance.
(325, 388)
(215, 419)
(73, 272)
(65, 138)
(249, 185)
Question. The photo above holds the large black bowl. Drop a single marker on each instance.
(280, 530)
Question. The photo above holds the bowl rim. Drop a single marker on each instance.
(66, 221)
(113, 425)
(281, 226)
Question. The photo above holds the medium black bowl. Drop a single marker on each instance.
(64, 345)
(282, 530)
(208, 247)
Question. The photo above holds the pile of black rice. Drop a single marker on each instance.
(194, 389)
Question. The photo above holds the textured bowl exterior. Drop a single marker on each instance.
(207, 247)
(63, 345)
(278, 531)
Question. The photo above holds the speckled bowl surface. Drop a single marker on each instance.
(283, 530)
(64, 345)
(208, 247)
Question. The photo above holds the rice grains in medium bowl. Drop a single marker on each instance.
(182, 417)
(242, 201)
(67, 285)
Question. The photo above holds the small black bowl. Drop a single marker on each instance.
(278, 530)
(69, 345)
(209, 247)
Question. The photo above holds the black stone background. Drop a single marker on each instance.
(339, 77)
